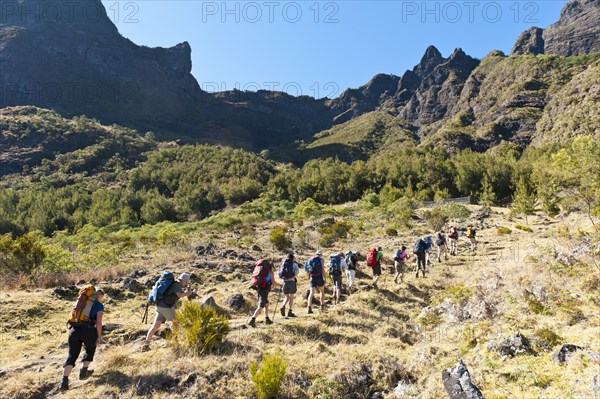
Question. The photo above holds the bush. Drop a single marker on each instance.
(23, 255)
(391, 232)
(199, 329)
(268, 377)
(333, 233)
(524, 228)
(456, 211)
(546, 339)
(503, 231)
(436, 218)
(279, 238)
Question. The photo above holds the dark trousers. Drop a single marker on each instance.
(81, 336)
(421, 262)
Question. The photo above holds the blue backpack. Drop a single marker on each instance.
(161, 287)
(335, 265)
(313, 266)
(420, 247)
(286, 271)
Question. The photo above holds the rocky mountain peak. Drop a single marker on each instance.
(429, 61)
(529, 42)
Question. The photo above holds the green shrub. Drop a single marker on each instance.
(458, 293)
(23, 255)
(545, 339)
(503, 231)
(279, 238)
(333, 233)
(456, 211)
(200, 329)
(534, 305)
(524, 228)
(392, 232)
(436, 218)
(268, 377)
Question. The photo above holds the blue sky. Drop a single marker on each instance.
(321, 48)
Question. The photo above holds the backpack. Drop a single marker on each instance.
(335, 265)
(398, 255)
(471, 232)
(161, 287)
(419, 247)
(372, 257)
(428, 242)
(453, 234)
(80, 314)
(313, 266)
(439, 239)
(351, 261)
(260, 275)
(286, 271)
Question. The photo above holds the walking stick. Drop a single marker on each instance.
(276, 303)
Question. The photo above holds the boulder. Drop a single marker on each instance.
(514, 345)
(138, 273)
(458, 383)
(209, 302)
(203, 251)
(132, 285)
(220, 278)
(226, 269)
(229, 254)
(236, 302)
(256, 248)
(564, 353)
(67, 293)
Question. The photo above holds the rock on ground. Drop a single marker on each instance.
(564, 353)
(458, 383)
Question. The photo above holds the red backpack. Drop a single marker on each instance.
(372, 257)
(260, 274)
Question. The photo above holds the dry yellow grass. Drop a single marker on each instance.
(366, 344)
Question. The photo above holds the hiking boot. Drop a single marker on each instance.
(268, 321)
(84, 373)
(252, 322)
(282, 310)
(64, 384)
(310, 311)
(290, 314)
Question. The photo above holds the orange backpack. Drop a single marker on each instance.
(80, 314)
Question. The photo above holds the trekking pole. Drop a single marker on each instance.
(145, 316)
(277, 303)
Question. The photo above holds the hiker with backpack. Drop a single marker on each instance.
(314, 267)
(165, 295)
(352, 264)
(400, 263)
(262, 281)
(337, 265)
(471, 233)
(419, 250)
(374, 259)
(453, 238)
(287, 273)
(441, 245)
(85, 330)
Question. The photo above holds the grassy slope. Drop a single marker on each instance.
(386, 331)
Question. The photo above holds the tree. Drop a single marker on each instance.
(523, 199)
(488, 196)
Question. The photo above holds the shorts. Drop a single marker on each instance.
(399, 266)
(164, 314)
(289, 287)
(337, 281)
(377, 269)
(263, 297)
(317, 282)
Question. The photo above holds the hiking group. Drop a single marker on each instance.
(85, 323)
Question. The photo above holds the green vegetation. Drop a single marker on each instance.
(279, 238)
(503, 231)
(268, 377)
(200, 329)
(524, 228)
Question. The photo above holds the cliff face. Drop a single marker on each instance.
(71, 58)
(576, 32)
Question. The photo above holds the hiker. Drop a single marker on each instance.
(262, 280)
(400, 263)
(441, 245)
(471, 233)
(165, 306)
(314, 268)
(428, 245)
(419, 250)
(352, 263)
(287, 273)
(374, 259)
(337, 266)
(453, 237)
(86, 331)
